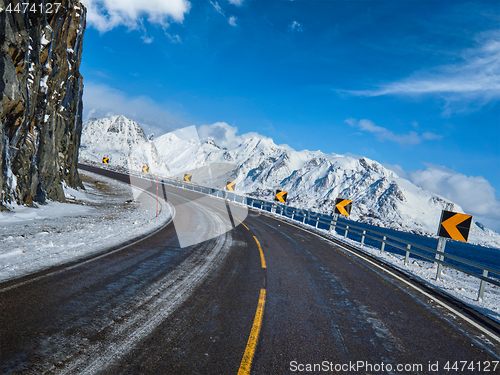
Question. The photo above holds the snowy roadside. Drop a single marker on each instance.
(455, 283)
(105, 214)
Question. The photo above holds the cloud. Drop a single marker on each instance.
(231, 20)
(385, 134)
(105, 15)
(473, 193)
(101, 101)
(225, 135)
(218, 8)
(295, 26)
(147, 40)
(236, 2)
(475, 78)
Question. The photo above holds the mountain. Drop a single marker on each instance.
(122, 141)
(40, 102)
(313, 180)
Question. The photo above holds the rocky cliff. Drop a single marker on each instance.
(40, 99)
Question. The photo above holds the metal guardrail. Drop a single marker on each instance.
(331, 221)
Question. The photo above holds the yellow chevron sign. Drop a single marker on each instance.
(230, 185)
(454, 225)
(280, 196)
(343, 206)
(105, 160)
(187, 177)
(145, 169)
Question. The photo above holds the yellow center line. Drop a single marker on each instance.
(246, 362)
(241, 222)
(262, 260)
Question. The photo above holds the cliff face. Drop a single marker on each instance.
(40, 100)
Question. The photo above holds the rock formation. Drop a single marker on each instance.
(40, 99)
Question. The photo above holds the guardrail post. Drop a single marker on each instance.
(293, 214)
(363, 238)
(304, 220)
(440, 248)
(317, 221)
(382, 248)
(273, 208)
(407, 256)
(345, 233)
(333, 223)
(482, 286)
(281, 210)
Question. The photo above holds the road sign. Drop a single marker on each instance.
(343, 206)
(280, 196)
(145, 169)
(230, 185)
(454, 225)
(187, 177)
(105, 160)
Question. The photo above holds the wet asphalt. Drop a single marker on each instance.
(158, 308)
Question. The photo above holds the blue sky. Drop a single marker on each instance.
(414, 85)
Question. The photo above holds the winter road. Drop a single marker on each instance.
(263, 295)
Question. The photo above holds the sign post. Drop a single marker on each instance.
(156, 195)
(452, 225)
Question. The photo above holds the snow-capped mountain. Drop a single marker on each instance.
(122, 141)
(313, 179)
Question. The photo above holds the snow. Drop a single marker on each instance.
(122, 141)
(43, 83)
(103, 215)
(44, 41)
(313, 179)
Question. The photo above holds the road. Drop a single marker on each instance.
(265, 295)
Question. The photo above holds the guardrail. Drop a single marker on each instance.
(333, 223)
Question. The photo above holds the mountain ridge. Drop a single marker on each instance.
(313, 181)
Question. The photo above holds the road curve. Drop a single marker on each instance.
(157, 308)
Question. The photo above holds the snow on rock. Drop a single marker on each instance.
(101, 216)
(122, 141)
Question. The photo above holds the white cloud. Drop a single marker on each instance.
(473, 193)
(232, 21)
(101, 101)
(218, 8)
(105, 15)
(236, 2)
(295, 26)
(475, 78)
(385, 134)
(147, 40)
(225, 135)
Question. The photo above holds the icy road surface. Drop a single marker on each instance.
(105, 214)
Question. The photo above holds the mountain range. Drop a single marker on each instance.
(313, 179)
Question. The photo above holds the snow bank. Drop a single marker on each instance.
(104, 215)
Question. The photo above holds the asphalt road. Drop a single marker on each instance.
(158, 308)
